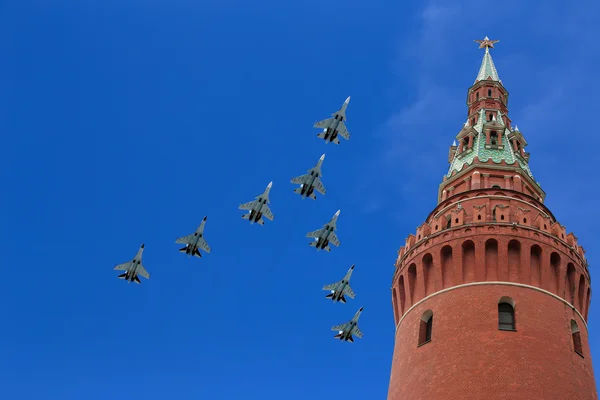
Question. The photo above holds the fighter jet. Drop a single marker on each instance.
(345, 331)
(133, 268)
(325, 235)
(332, 127)
(341, 288)
(311, 181)
(194, 242)
(258, 208)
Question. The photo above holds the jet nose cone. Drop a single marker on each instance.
(322, 157)
(142, 246)
(204, 219)
(347, 100)
(352, 267)
(360, 309)
(269, 185)
(337, 214)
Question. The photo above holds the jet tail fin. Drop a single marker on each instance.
(338, 336)
(336, 140)
(350, 338)
(197, 253)
(313, 244)
(183, 249)
(313, 196)
(298, 190)
(322, 135)
(122, 276)
(136, 279)
(329, 296)
(260, 221)
(246, 216)
(343, 299)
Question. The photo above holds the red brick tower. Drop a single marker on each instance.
(491, 294)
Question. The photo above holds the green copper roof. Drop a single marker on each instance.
(488, 69)
(497, 155)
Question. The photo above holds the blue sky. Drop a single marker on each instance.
(125, 122)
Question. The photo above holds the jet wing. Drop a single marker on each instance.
(338, 327)
(247, 206)
(314, 234)
(323, 124)
(349, 292)
(203, 245)
(266, 212)
(123, 267)
(330, 287)
(343, 131)
(356, 332)
(185, 239)
(333, 239)
(142, 271)
(319, 186)
(299, 179)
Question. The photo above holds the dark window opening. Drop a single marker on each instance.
(425, 328)
(449, 223)
(476, 96)
(506, 317)
(456, 221)
(490, 117)
(493, 138)
(472, 121)
(436, 227)
(524, 220)
(545, 227)
(489, 92)
(494, 214)
(502, 217)
(496, 187)
(576, 338)
(479, 217)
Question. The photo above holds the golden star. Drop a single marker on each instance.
(486, 42)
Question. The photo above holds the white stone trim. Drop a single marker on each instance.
(492, 283)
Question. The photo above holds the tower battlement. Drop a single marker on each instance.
(491, 235)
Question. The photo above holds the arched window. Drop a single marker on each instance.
(496, 187)
(576, 338)
(489, 92)
(506, 314)
(426, 324)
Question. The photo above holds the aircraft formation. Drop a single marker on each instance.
(258, 209)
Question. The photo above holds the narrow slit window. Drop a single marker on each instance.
(425, 327)
(506, 317)
(576, 335)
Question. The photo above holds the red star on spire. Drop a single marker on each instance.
(486, 42)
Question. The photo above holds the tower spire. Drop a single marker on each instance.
(488, 69)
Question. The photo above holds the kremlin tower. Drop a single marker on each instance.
(491, 294)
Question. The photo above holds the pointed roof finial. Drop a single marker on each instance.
(454, 143)
(486, 42)
(516, 128)
(488, 69)
(467, 123)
